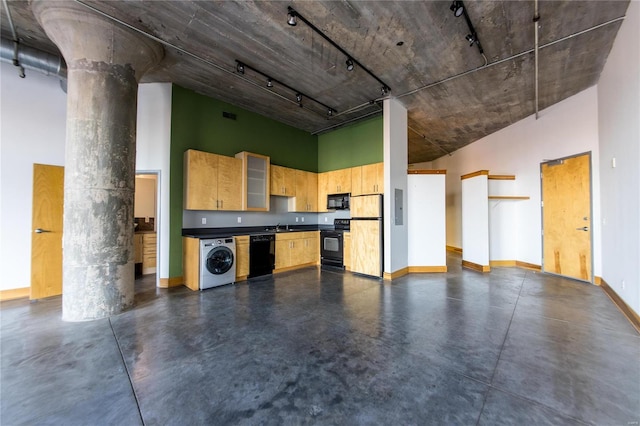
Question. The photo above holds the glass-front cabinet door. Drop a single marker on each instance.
(255, 181)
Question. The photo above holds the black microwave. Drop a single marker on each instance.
(338, 202)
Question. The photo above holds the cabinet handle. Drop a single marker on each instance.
(221, 203)
(217, 204)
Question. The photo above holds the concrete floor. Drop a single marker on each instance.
(509, 347)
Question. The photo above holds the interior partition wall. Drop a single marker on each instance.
(475, 220)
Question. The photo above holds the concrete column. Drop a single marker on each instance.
(105, 62)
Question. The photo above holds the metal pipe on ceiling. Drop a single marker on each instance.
(14, 57)
(33, 59)
(536, 26)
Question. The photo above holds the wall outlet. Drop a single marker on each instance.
(623, 284)
(326, 219)
(303, 218)
(239, 219)
(296, 218)
(204, 220)
(613, 163)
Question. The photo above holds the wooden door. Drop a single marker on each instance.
(346, 250)
(370, 179)
(277, 180)
(283, 253)
(343, 180)
(365, 247)
(46, 239)
(229, 183)
(242, 257)
(566, 217)
(200, 176)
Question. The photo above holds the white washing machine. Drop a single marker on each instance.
(217, 262)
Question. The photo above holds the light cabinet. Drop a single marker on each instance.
(211, 181)
(283, 181)
(149, 253)
(367, 179)
(242, 257)
(137, 248)
(191, 262)
(255, 181)
(366, 247)
(333, 182)
(297, 249)
(306, 189)
(346, 250)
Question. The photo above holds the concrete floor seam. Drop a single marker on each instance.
(126, 368)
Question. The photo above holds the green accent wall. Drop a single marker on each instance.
(197, 123)
(355, 145)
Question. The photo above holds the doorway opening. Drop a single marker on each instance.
(147, 224)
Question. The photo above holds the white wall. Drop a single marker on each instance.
(33, 130)
(395, 142)
(475, 219)
(564, 129)
(153, 143)
(426, 215)
(619, 125)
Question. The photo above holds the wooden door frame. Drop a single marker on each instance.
(158, 219)
(593, 274)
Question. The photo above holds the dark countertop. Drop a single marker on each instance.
(248, 230)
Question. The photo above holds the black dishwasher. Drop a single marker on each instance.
(262, 255)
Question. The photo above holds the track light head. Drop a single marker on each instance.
(384, 90)
(269, 83)
(299, 98)
(292, 17)
(350, 65)
(330, 112)
(471, 39)
(457, 8)
(240, 68)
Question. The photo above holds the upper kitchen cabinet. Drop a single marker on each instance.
(255, 181)
(283, 181)
(211, 181)
(368, 179)
(306, 199)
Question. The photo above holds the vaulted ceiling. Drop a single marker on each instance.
(417, 48)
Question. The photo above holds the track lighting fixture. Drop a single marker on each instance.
(271, 82)
(470, 39)
(349, 64)
(384, 90)
(457, 8)
(293, 16)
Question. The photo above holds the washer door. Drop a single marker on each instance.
(219, 260)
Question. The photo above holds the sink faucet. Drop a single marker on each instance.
(277, 227)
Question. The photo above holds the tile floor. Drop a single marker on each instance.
(311, 347)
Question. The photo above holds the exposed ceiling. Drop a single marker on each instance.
(443, 117)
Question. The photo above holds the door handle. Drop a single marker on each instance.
(40, 230)
(584, 228)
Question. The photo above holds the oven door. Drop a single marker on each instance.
(331, 248)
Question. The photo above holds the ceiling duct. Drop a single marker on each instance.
(34, 59)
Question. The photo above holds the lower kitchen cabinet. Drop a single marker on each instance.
(346, 250)
(149, 254)
(242, 257)
(191, 262)
(295, 249)
(137, 248)
(365, 247)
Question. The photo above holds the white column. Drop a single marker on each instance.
(395, 183)
(427, 222)
(475, 221)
